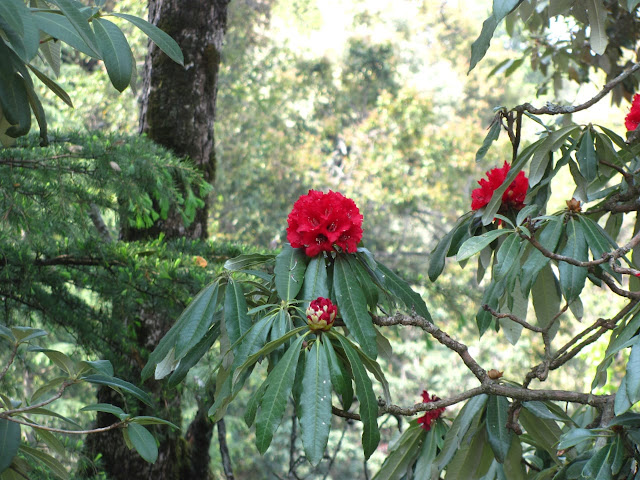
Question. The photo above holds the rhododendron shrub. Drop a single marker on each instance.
(317, 312)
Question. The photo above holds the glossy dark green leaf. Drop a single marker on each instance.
(79, 22)
(599, 466)
(621, 403)
(474, 457)
(291, 265)
(368, 402)
(315, 403)
(9, 442)
(576, 436)
(253, 403)
(599, 242)
(507, 255)
(315, 280)
(195, 320)
(59, 359)
(492, 136)
(402, 455)
(403, 291)
(18, 26)
(369, 288)
(274, 401)
(236, 319)
(427, 454)
(101, 366)
(115, 52)
(545, 295)
(340, 380)
(374, 368)
(194, 355)
(572, 278)
(143, 442)
(459, 428)
(439, 253)
(119, 384)
(498, 434)
(352, 306)
(536, 261)
(586, 156)
(52, 85)
(14, 100)
(164, 42)
(10, 14)
(148, 420)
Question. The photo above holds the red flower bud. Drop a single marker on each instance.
(432, 415)
(513, 196)
(318, 221)
(321, 314)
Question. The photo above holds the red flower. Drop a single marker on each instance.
(318, 221)
(513, 196)
(321, 314)
(432, 415)
(632, 119)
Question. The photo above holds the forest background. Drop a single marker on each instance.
(371, 99)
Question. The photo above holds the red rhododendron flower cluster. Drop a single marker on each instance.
(632, 119)
(513, 196)
(321, 314)
(432, 415)
(319, 221)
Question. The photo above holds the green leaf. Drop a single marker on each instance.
(253, 403)
(52, 85)
(315, 403)
(498, 434)
(542, 410)
(545, 295)
(147, 420)
(363, 277)
(586, 156)
(10, 13)
(115, 52)
(403, 291)
(18, 26)
(427, 456)
(528, 211)
(352, 306)
(14, 101)
(315, 280)
(51, 441)
(50, 462)
(119, 384)
(100, 366)
(368, 402)
(476, 244)
(574, 437)
(545, 432)
(548, 145)
(164, 42)
(339, 378)
(632, 4)
(9, 442)
(619, 339)
(572, 278)
(25, 334)
(374, 368)
(290, 268)
(621, 403)
(58, 358)
(599, 466)
(274, 401)
(506, 257)
(452, 441)
(402, 455)
(597, 14)
(633, 373)
(599, 242)
(198, 313)
(105, 407)
(492, 136)
(474, 457)
(439, 253)
(194, 355)
(236, 319)
(536, 261)
(79, 22)
(143, 442)
(480, 46)
(59, 27)
(245, 261)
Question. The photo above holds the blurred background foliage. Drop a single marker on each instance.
(371, 98)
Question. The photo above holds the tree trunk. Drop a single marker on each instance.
(178, 112)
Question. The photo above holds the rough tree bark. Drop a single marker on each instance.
(178, 112)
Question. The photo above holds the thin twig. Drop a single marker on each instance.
(8, 413)
(60, 430)
(510, 316)
(14, 351)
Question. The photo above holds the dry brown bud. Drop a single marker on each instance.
(574, 205)
(494, 374)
